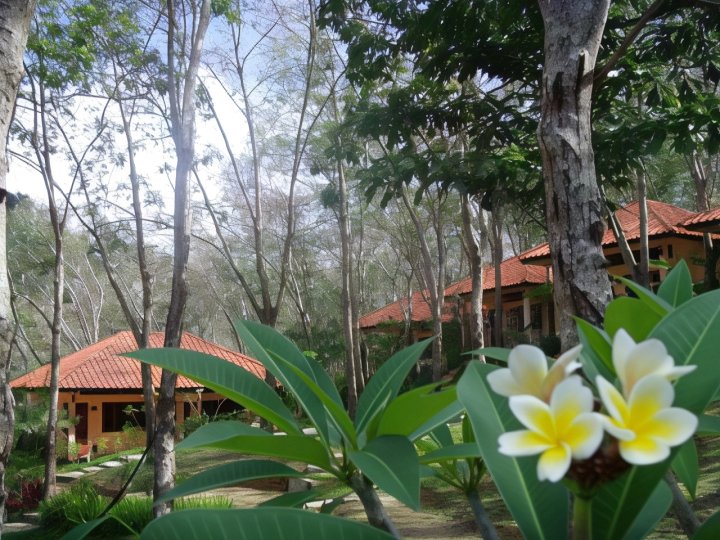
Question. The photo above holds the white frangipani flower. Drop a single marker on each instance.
(527, 372)
(645, 425)
(563, 430)
(633, 361)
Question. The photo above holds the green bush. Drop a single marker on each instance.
(79, 504)
(135, 512)
(452, 344)
(206, 502)
(550, 345)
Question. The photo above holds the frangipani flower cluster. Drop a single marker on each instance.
(557, 410)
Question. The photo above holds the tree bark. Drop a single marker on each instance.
(472, 245)
(497, 227)
(182, 121)
(573, 30)
(14, 28)
(702, 201)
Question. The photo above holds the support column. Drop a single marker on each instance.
(526, 317)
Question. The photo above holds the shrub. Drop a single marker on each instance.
(27, 497)
(135, 512)
(205, 502)
(550, 345)
(79, 504)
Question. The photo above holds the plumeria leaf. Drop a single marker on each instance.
(656, 304)
(496, 353)
(686, 467)
(419, 408)
(258, 524)
(617, 504)
(631, 314)
(229, 474)
(451, 453)
(691, 334)
(266, 345)
(293, 499)
(391, 462)
(540, 508)
(708, 425)
(386, 383)
(225, 378)
(596, 355)
(710, 530)
(677, 287)
(654, 510)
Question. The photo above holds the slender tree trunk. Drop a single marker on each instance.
(472, 245)
(373, 506)
(14, 27)
(712, 253)
(573, 30)
(182, 116)
(497, 227)
(643, 268)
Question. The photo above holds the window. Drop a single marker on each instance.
(515, 319)
(116, 415)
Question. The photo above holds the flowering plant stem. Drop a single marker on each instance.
(582, 511)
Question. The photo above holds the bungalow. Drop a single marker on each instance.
(674, 234)
(97, 385)
(523, 302)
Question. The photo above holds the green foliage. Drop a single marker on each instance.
(550, 345)
(134, 512)
(452, 340)
(206, 502)
(386, 457)
(74, 506)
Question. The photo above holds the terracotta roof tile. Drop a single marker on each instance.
(100, 366)
(513, 273)
(663, 218)
(702, 218)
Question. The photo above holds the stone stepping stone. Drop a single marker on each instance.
(310, 431)
(132, 457)
(92, 469)
(317, 505)
(313, 469)
(69, 476)
(111, 464)
(19, 527)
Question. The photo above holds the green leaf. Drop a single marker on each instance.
(691, 334)
(654, 510)
(540, 508)
(412, 410)
(596, 355)
(442, 435)
(337, 413)
(229, 474)
(710, 529)
(293, 499)
(83, 530)
(686, 468)
(647, 297)
(257, 524)
(631, 314)
(266, 344)
(708, 425)
(391, 462)
(386, 383)
(497, 353)
(617, 504)
(233, 382)
(451, 453)
(677, 287)
(239, 437)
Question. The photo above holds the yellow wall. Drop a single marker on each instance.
(96, 400)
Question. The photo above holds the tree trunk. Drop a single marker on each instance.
(497, 227)
(697, 171)
(573, 30)
(473, 249)
(643, 269)
(182, 119)
(14, 27)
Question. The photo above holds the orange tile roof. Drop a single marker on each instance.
(100, 366)
(711, 217)
(663, 219)
(420, 311)
(513, 273)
